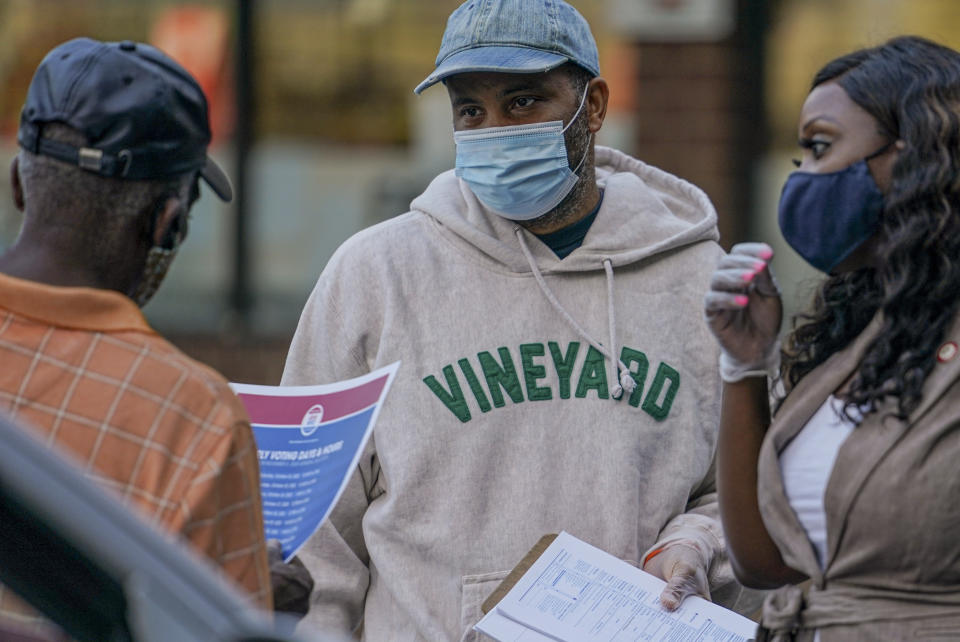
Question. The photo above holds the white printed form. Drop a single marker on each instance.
(576, 592)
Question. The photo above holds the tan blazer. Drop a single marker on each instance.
(893, 514)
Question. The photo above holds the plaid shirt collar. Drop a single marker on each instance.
(75, 308)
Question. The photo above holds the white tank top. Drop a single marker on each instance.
(806, 464)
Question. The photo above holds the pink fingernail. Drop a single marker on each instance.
(748, 276)
(742, 300)
(758, 266)
(766, 254)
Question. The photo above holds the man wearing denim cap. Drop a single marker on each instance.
(544, 300)
(113, 140)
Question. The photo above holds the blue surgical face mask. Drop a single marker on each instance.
(825, 217)
(520, 172)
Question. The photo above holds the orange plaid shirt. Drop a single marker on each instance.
(85, 371)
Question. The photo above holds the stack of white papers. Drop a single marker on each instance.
(576, 592)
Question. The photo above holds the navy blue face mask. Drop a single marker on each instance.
(825, 217)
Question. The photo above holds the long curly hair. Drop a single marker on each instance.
(911, 86)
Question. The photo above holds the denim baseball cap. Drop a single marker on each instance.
(513, 36)
(143, 115)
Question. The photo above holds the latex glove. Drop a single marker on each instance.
(683, 564)
(291, 582)
(744, 312)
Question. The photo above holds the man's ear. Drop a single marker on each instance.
(17, 187)
(168, 228)
(598, 95)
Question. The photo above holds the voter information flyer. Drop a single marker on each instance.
(309, 440)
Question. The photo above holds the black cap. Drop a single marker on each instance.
(143, 115)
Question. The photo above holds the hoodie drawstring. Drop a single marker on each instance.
(622, 375)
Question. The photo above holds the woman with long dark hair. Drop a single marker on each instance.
(848, 501)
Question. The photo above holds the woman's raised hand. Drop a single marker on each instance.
(744, 312)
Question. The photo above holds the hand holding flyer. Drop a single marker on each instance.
(309, 440)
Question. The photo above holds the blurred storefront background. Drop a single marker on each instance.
(314, 115)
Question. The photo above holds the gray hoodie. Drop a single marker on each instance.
(502, 424)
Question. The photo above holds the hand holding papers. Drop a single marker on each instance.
(575, 592)
(309, 440)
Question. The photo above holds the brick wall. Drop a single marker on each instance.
(699, 114)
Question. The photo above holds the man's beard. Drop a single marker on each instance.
(578, 141)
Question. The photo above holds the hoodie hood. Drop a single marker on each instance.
(645, 212)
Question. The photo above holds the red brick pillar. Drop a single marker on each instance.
(699, 114)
